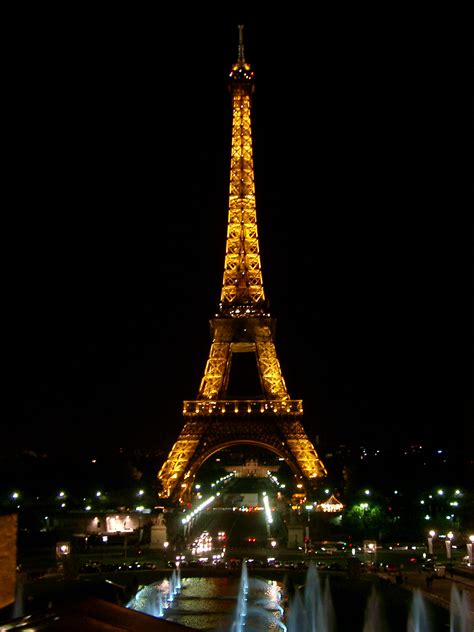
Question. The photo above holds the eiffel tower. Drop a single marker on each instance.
(242, 328)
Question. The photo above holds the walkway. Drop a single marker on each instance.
(439, 591)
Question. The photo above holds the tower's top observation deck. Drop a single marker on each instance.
(241, 76)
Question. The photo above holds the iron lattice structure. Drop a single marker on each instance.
(242, 325)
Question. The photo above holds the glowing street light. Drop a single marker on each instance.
(431, 535)
(469, 549)
(449, 537)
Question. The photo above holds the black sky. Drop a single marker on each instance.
(118, 141)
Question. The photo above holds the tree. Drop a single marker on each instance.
(365, 520)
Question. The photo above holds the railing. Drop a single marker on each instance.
(243, 407)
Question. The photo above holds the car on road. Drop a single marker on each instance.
(391, 568)
(439, 570)
(434, 568)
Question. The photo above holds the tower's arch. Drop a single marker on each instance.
(212, 450)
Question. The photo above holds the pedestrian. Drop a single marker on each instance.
(429, 581)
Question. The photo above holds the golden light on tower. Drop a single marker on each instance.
(242, 325)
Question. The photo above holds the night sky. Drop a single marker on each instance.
(118, 146)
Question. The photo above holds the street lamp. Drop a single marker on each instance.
(431, 535)
(307, 540)
(449, 537)
(469, 549)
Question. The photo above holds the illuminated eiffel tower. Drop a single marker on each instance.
(242, 328)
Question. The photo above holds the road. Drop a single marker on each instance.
(238, 511)
(240, 528)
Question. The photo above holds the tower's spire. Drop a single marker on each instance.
(242, 288)
(241, 58)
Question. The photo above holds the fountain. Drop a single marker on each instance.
(241, 609)
(373, 616)
(256, 606)
(172, 586)
(318, 604)
(418, 618)
(460, 612)
(314, 611)
(311, 610)
(154, 598)
(296, 619)
(149, 599)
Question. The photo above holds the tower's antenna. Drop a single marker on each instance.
(241, 45)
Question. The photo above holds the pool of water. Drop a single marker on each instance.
(212, 603)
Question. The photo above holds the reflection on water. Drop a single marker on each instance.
(208, 603)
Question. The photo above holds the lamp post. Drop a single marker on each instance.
(431, 535)
(469, 549)
(449, 537)
(307, 540)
